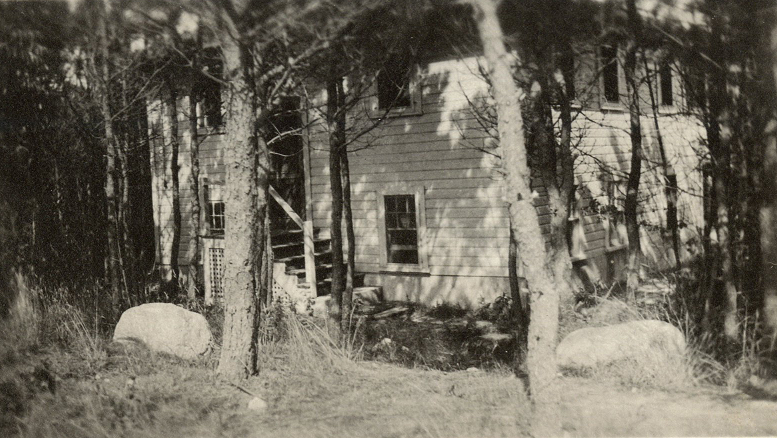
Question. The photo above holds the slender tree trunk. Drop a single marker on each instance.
(552, 155)
(544, 299)
(246, 195)
(635, 172)
(562, 266)
(350, 258)
(710, 256)
(336, 143)
(670, 185)
(171, 112)
(127, 250)
(768, 219)
(110, 162)
(193, 249)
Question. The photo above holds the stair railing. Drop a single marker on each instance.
(307, 235)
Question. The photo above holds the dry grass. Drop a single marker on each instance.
(314, 387)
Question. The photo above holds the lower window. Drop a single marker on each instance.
(401, 229)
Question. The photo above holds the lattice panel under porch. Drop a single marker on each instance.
(216, 260)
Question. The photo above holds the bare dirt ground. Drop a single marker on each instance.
(599, 409)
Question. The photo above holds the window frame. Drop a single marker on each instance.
(204, 121)
(206, 189)
(416, 101)
(604, 103)
(576, 224)
(615, 206)
(418, 193)
(675, 90)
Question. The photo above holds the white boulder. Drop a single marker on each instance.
(166, 328)
(596, 346)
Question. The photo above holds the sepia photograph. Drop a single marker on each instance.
(388, 218)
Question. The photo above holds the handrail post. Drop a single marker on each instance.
(310, 257)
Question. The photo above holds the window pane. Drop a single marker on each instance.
(401, 229)
(394, 83)
(666, 85)
(610, 73)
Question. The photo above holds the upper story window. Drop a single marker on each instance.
(397, 91)
(394, 83)
(209, 105)
(665, 80)
(610, 75)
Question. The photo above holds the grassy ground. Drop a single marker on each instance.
(153, 396)
(77, 384)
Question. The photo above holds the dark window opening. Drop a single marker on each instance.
(610, 73)
(394, 83)
(665, 72)
(216, 218)
(401, 229)
(209, 105)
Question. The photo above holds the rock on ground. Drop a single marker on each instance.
(166, 328)
(596, 346)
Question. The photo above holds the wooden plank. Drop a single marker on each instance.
(430, 184)
(472, 262)
(286, 207)
(418, 175)
(386, 155)
(442, 163)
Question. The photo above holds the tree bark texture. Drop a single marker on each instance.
(554, 159)
(110, 158)
(246, 207)
(350, 235)
(635, 171)
(195, 219)
(670, 183)
(718, 140)
(768, 219)
(562, 263)
(171, 113)
(334, 114)
(544, 299)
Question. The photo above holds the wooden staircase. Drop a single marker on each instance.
(288, 248)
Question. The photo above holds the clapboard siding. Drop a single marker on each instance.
(466, 218)
(447, 152)
(211, 153)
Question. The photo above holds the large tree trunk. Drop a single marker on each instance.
(193, 249)
(635, 172)
(334, 113)
(544, 299)
(350, 235)
(719, 143)
(246, 195)
(171, 113)
(110, 162)
(768, 219)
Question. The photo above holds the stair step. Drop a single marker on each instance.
(301, 271)
(300, 256)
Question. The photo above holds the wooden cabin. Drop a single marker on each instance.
(428, 192)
